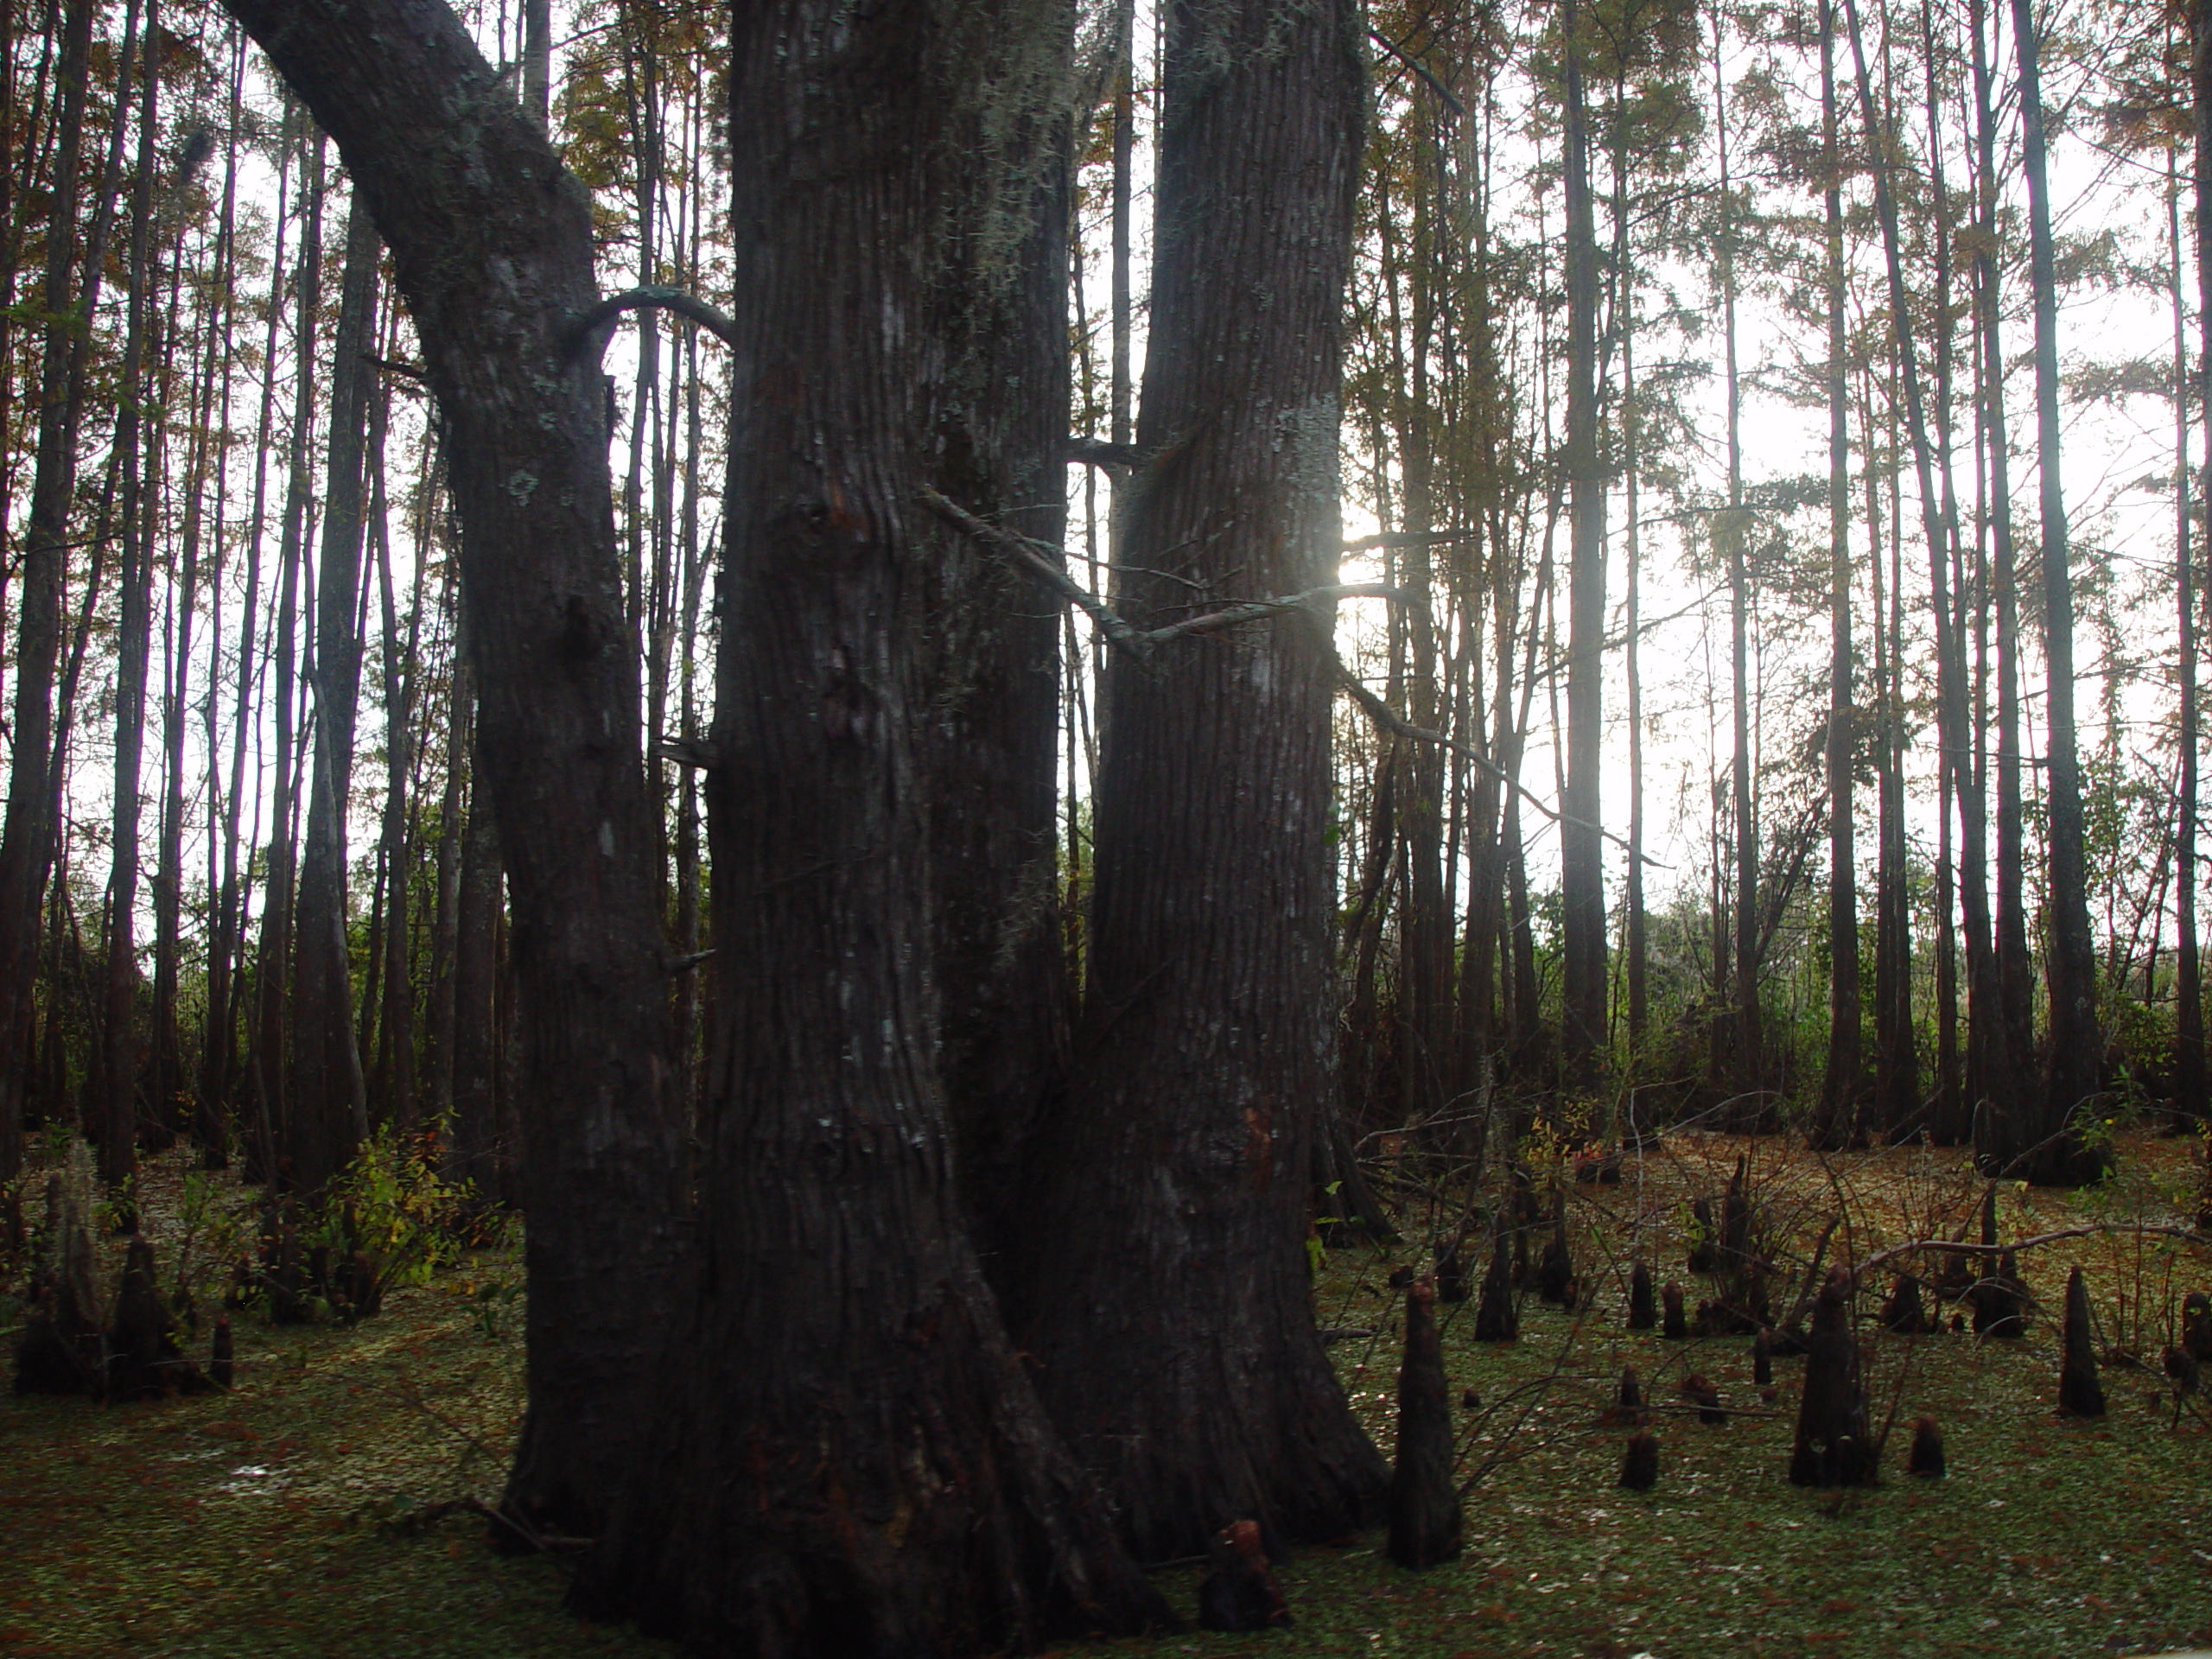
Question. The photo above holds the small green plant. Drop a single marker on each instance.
(494, 1300)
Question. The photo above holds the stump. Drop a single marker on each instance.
(1763, 1358)
(1833, 1447)
(1676, 1328)
(1424, 1505)
(2079, 1394)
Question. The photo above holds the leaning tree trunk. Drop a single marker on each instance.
(850, 1460)
(491, 240)
(1164, 1290)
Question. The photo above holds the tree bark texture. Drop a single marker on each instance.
(492, 243)
(1164, 1291)
(849, 1460)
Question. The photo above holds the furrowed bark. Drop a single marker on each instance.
(492, 243)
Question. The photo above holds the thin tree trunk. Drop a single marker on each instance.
(1582, 889)
(2046, 1147)
(1836, 1124)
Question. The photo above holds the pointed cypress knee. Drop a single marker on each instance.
(1833, 1447)
(1424, 1507)
(1704, 1236)
(1643, 1311)
(2079, 1394)
(1677, 1328)
(1496, 1318)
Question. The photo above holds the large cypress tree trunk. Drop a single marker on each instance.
(849, 1461)
(491, 240)
(1164, 1288)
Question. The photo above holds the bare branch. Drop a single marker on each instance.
(2095, 1229)
(589, 335)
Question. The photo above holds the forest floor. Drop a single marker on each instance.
(308, 1511)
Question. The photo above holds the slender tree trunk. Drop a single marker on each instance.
(2014, 1057)
(2046, 1147)
(1836, 1124)
(1582, 888)
(26, 841)
(329, 1109)
(120, 1069)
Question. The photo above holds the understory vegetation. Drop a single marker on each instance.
(335, 1500)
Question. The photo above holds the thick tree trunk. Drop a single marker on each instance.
(849, 1461)
(1171, 1318)
(491, 240)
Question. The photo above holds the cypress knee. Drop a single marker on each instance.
(1239, 1591)
(1833, 1447)
(1926, 1458)
(1640, 1462)
(1642, 1313)
(1677, 1328)
(1496, 1318)
(1763, 1358)
(2079, 1394)
(1424, 1508)
(1904, 1312)
(221, 1357)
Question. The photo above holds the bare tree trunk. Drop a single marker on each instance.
(328, 1114)
(2045, 1147)
(850, 1461)
(492, 245)
(26, 841)
(1173, 1323)
(1836, 1123)
(1582, 886)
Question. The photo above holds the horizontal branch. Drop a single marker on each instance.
(2095, 1229)
(587, 336)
